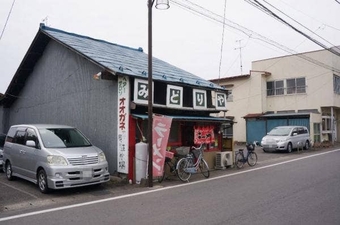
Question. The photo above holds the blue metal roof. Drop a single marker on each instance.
(126, 60)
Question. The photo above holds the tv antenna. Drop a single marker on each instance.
(239, 41)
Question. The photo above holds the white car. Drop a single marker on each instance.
(286, 138)
(53, 157)
(2, 142)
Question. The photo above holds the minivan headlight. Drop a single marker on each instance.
(101, 157)
(56, 160)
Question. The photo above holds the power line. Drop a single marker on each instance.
(317, 20)
(219, 68)
(205, 13)
(9, 14)
(298, 23)
(263, 8)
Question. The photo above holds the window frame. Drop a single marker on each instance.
(276, 89)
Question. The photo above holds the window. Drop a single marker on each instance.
(174, 136)
(317, 136)
(20, 138)
(300, 85)
(296, 85)
(290, 86)
(336, 84)
(227, 131)
(326, 123)
(279, 90)
(229, 95)
(275, 88)
(270, 88)
(31, 136)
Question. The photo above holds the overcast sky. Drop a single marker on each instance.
(189, 40)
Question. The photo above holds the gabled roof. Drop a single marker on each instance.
(114, 58)
(125, 60)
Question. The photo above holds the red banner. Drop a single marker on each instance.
(203, 135)
(161, 129)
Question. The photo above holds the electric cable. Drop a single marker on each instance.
(9, 14)
(263, 8)
(251, 34)
(219, 68)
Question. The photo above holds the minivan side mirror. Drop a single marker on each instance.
(31, 143)
(294, 133)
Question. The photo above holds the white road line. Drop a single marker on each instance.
(160, 189)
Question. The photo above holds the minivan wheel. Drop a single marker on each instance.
(289, 147)
(307, 145)
(9, 172)
(42, 181)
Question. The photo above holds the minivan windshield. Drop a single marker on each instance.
(280, 131)
(63, 138)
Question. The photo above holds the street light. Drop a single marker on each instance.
(160, 4)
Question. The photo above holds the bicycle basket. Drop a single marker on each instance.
(184, 150)
(196, 152)
(250, 147)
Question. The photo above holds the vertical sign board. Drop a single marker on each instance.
(174, 96)
(141, 91)
(161, 129)
(200, 99)
(123, 124)
(221, 101)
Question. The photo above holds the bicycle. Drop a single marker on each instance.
(250, 158)
(171, 163)
(191, 163)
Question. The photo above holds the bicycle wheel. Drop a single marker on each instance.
(204, 168)
(239, 160)
(181, 166)
(161, 178)
(252, 159)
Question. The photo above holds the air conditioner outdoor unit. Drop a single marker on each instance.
(223, 159)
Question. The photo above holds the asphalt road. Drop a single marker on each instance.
(300, 188)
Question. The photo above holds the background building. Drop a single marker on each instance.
(301, 89)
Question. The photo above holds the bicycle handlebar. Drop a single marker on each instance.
(197, 148)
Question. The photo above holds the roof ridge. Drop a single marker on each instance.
(44, 27)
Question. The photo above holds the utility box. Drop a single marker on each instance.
(223, 160)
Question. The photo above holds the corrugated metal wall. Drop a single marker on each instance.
(61, 90)
(257, 129)
(271, 123)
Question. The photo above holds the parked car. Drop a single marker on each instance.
(286, 138)
(53, 157)
(2, 142)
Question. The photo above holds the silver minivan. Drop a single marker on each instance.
(53, 157)
(286, 138)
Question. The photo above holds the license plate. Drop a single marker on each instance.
(87, 173)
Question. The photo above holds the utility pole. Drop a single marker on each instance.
(239, 41)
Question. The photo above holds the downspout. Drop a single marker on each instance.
(332, 125)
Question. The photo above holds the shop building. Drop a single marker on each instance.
(102, 89)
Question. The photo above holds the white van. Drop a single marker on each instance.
(53, 156)
(286, 138)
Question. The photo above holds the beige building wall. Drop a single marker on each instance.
(249, 92)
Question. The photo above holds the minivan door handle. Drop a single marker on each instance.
(22, 151)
